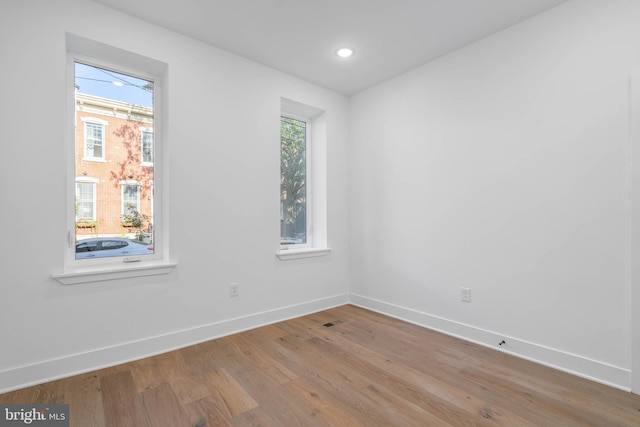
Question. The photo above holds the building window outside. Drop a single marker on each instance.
(295, 223)
(146, 135)
(130, 199)
(93, 140)
(85, 201)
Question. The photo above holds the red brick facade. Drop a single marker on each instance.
(109, 156)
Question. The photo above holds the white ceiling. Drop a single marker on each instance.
(300, 37)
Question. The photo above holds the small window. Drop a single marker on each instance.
(94, 133)
(93, 140)
(85, 201)
(146, 143)
(130, 199)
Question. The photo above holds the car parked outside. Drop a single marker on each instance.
(109, 247)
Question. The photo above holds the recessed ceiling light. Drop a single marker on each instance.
(344, 52)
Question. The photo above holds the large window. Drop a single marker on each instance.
(295, 223)
(115, 121)
(115, 183)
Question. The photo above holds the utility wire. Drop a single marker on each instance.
(125, 81)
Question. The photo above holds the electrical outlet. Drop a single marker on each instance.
(233, 290)
(465, 294)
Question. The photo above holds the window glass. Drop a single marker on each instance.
(293, 181)
(114, 148)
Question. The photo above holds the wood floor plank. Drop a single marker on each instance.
(345, 366)
(49, 392)
(86, 393)
(123, 406)
(170, 368)
(200, 359)
(257, 417)
(236, 399)
(324, 408)
(144, 374)
(261, 360)
(163, 407)
(209, 411)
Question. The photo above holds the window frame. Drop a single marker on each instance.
(316, 183)
(72, 262)
(80, 49)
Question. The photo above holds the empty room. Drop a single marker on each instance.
(320, 213)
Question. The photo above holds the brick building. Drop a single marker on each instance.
(113, 168)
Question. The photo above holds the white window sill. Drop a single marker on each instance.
(113, 273)
(289, 254)
(94, 159)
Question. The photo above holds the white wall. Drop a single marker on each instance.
(504, 167)
(224, 200)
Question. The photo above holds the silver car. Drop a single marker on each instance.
(110, 246)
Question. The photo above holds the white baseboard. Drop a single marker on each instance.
(577, 365)
(49, 370)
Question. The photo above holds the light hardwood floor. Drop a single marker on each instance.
(365, 370)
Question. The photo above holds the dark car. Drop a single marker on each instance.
(110, 246)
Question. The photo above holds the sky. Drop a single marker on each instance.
(109, 84)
